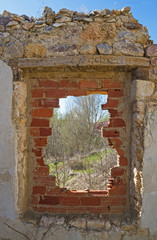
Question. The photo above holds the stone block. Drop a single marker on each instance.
(95, 224)
(152, 51)
(78, 223)
(129, 49)
(135, 237)
(34, 50)
(13, 51)
(87, 49)
(141, 89)
(104, 49)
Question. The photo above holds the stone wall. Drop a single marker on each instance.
(71, 53)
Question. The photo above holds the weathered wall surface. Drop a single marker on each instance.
(71, 41)
(7, 147)
(149, 213)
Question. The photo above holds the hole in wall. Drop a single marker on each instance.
(77, 154)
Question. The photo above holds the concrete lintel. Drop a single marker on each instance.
(94, 60)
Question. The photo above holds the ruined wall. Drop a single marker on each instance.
(71, 53)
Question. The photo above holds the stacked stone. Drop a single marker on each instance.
(68, 32)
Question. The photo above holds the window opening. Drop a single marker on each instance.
(77, 154)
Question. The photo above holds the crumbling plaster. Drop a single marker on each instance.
(28, 44)
(7, 144)
(149, 212)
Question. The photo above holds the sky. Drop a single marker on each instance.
(143, 10)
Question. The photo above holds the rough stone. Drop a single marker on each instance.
(64, 19)
(12, 24)
(132, 25)
(6, 13)
(104, 49)
(78, 223)
(139, 106)
(65, 11)
(48, 29)
(25, 17)
(152, 51)
(34, 50)
(56, 25)
(130, 49)
(87, 49)
(141, 89)
(3, 22)
(107, 225)
(48, 13)
(95, 224)
(143, 231)
(27, 26)
(137, 37)
(125, 10)
(155, 95)
(13, 51)
(129, 227)
(62, 49)
(135, 237)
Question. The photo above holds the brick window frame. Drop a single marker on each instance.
(46, 196)
(117, 199)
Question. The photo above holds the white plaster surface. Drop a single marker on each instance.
(149, 212)
(7, 159)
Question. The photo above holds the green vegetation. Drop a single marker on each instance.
(77, 154)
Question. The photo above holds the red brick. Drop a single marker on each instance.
(40, 209)
(45, 131)
(123, 161)
(118, 191)
(117, 171)
(34, 200)
(110, 133)
(77, 193)
(74, 84)
(54, 103)
(39, 190)
(41, 171)
(45, 180)
(117, 210)
(40, 161)
(40, 142)
(113, 113)
(48, 84)
(77, 210)
(98, 210)
(34, 132)
(90, 201)
(49, 200)
(115, 142)
(120, 151)
(38, 93)
(109, 83)
(36, 122)
(64, 83)
(111, 103)
(69, 201)
(57, 210)
(56, 93)
(55, 192)
(88, 84)
(42, 112)
(114, 201)
(117, 122)
(97, 192)
(77, 92)
(115, 93)
(38, 152)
